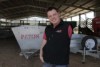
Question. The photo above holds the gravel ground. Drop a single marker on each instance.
(9, 57)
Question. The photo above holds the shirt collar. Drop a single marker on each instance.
(61, 22)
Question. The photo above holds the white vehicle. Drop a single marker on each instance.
(89, 40)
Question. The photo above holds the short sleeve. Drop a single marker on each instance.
(44, 36)
(69, 31)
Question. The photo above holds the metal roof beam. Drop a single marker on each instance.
(78, 7)
(22, 7)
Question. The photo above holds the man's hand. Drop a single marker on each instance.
(41, 58)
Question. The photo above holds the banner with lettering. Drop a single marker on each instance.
(29, 37)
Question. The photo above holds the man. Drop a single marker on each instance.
(55, 48)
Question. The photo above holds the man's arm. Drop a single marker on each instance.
(41, 49)
(70, 31)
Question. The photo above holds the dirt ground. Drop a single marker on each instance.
(9, 57)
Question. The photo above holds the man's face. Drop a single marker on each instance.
(53, 16)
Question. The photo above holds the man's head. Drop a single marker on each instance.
(53, 15)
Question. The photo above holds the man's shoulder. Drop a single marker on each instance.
(72, 23)
(48, 26)
(65, 23)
